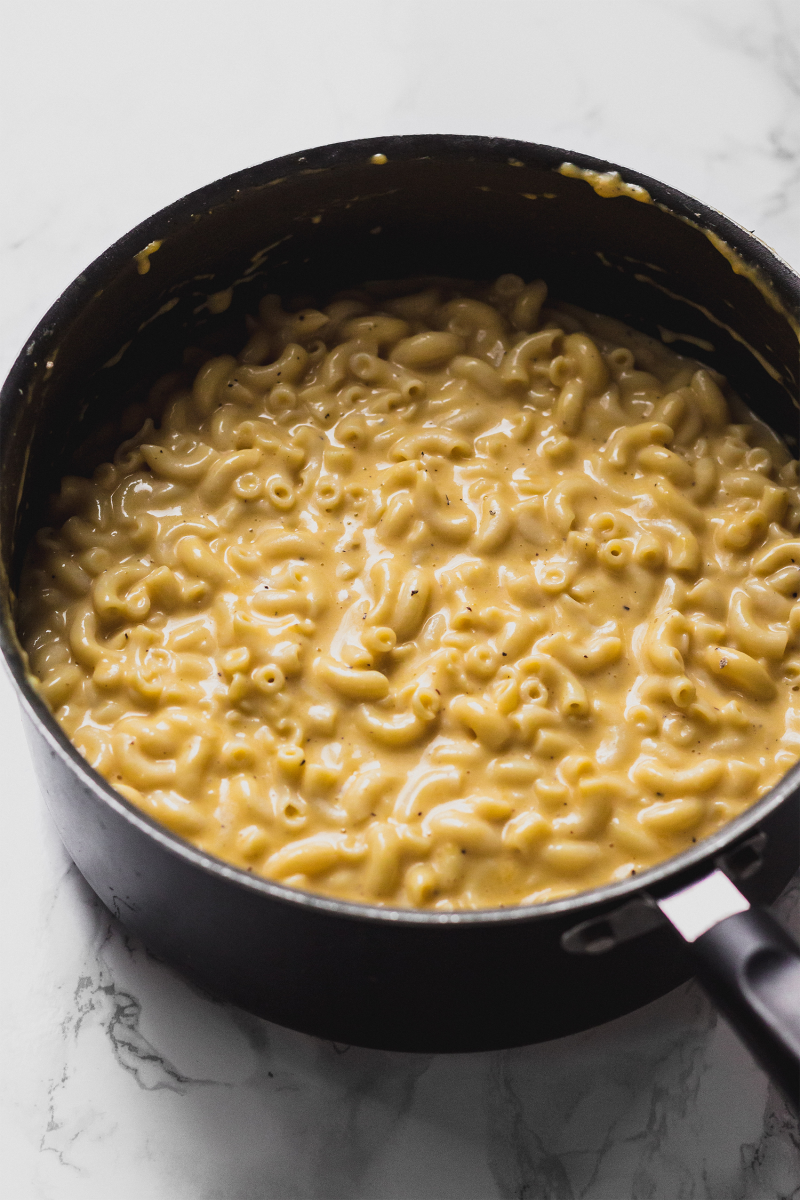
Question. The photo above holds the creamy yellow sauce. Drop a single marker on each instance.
(459, 601)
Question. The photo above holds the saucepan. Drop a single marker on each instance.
(308, 225)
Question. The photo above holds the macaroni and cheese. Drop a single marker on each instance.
(453, 599)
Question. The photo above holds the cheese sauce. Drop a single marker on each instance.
(449, 600)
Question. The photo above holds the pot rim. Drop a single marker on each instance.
(782, 284)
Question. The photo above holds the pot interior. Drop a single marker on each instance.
(315, 223)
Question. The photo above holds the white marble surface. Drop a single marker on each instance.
(120, 1080)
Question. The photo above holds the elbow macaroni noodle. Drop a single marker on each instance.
(449, 600)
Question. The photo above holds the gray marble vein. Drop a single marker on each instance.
(219, 1104)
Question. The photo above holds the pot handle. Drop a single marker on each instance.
(751, 969)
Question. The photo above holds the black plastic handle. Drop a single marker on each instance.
(751, 969)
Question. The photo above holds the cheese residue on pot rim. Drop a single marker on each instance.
(143, 257)
(607, 184)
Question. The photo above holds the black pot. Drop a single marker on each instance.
(311, 224)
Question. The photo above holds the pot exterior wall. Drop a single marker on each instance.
(388, 984)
